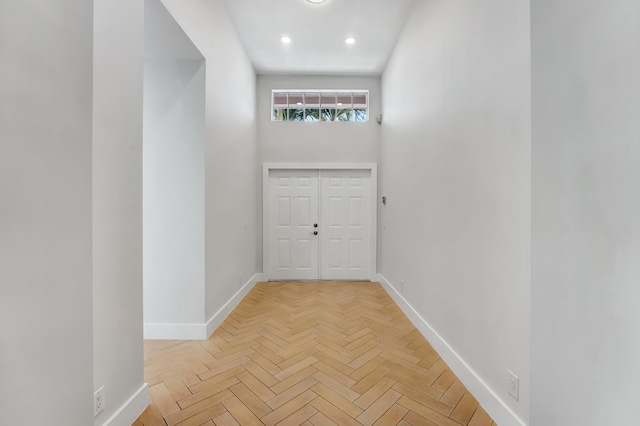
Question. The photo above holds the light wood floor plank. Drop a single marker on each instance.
(321, 420)
(240, 412)
(370, 379)
(256, 386)
(367, 368)
(335, 374)
(291, 393)
(203, 416)
(294, 380)
(298, 366)
(289, 408)
(454, 394)
(414, 419)
(334, 413)
(265, 363)
(480, 418)
(208, 392)
(300, 416)
(251, 400)
(164, 400)
(224, 419)
(465, 409)
(198, 407)
(424, 399)
(334, 363)
(176, 386)
(341, 403)
(445, 381)
(379, 407)
(392, 417)
(426, 412)
(152, 416)
(337, 387)
(375, 392)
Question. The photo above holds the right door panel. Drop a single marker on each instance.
(345, 237)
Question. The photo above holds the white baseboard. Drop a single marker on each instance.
(131, 410)
(217, 318)
(199, 331)
(490, 401)
(175, 331)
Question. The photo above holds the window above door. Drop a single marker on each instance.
(320, 105)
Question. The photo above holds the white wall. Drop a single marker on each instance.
(230, 150)
(456, 171)
(586, 210)
(327, 142)
(45, 213)
(117, 206)
(173, 178)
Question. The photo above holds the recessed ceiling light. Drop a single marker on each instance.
(350, 40)
(316, 1)
(299, 103)
(285, 39)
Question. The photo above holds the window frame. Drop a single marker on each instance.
(305, 92)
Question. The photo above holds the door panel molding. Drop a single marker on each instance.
(371, 263)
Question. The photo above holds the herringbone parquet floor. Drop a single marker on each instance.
(322, 353)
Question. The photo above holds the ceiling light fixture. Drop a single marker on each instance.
(285, 39)
(350, 40)
(316, 1)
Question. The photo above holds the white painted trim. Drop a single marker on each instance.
(374, 223)
(316, 166)
(267, 167)
(217, 318)
(487, 397)
(199, 331)
(131, 410)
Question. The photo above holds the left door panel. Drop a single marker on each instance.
(293, 213)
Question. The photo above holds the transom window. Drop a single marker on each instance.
(319, 105)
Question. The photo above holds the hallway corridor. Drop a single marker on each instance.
(312, 353)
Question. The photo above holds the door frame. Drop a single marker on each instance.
(372, 167)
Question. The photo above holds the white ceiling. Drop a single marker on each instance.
(318, 33)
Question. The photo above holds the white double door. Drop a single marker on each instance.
(320, 225)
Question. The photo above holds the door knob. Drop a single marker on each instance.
(315, 232)
(315, 225)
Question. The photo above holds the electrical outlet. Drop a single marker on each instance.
(98, 401)
(513, 385)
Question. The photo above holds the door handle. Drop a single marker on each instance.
(315, 232)
(315, 225)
